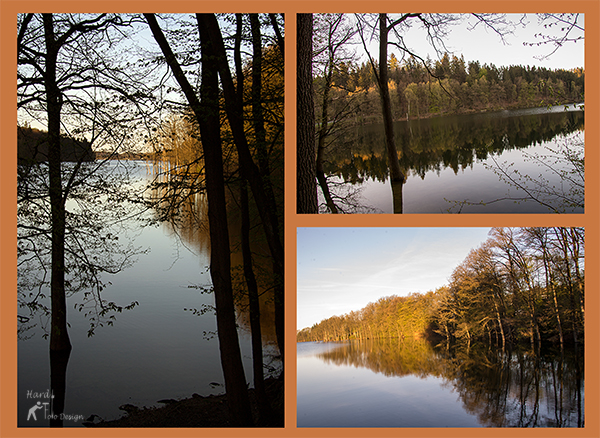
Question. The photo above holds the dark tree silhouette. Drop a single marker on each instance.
(207, 114)
(306, 189)
(259, 185)
(44, 41)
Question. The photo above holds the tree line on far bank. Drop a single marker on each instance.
(521, 285)
(450, 85)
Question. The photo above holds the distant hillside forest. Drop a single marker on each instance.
(32, 147)
(447, 86)
(520, 285)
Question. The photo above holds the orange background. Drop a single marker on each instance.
(591, 219)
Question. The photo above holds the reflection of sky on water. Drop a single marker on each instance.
(346, 396)
(439, 192)
(313, 348)
(153, 352)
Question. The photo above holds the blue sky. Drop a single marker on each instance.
(343, 269)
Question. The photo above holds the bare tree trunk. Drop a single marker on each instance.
(577, 238)
(499, 319)
(257, 111)
(396, 174)
(220, 265)
(59, 336)
(58, 384)
(208, 117)
(263, 163)
(322, 135)
(557, 314)
(280, 40)
(260, 137)
(254, 307)
(306, 196)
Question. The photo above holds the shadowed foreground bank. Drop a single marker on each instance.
(198, 411)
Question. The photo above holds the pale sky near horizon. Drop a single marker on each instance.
(343, 269)
(484, 45)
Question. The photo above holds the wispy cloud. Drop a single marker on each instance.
(341, 270)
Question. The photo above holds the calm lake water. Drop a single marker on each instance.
(506, 162)
(392, 383)
(158, 350)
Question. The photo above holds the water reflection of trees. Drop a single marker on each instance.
(388, 356)
(455, 142)
(179, 201)
(180, 205)
(503, 389)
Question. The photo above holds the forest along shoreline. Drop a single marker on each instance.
(521, 286)
(449, 86)
(196, 411)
